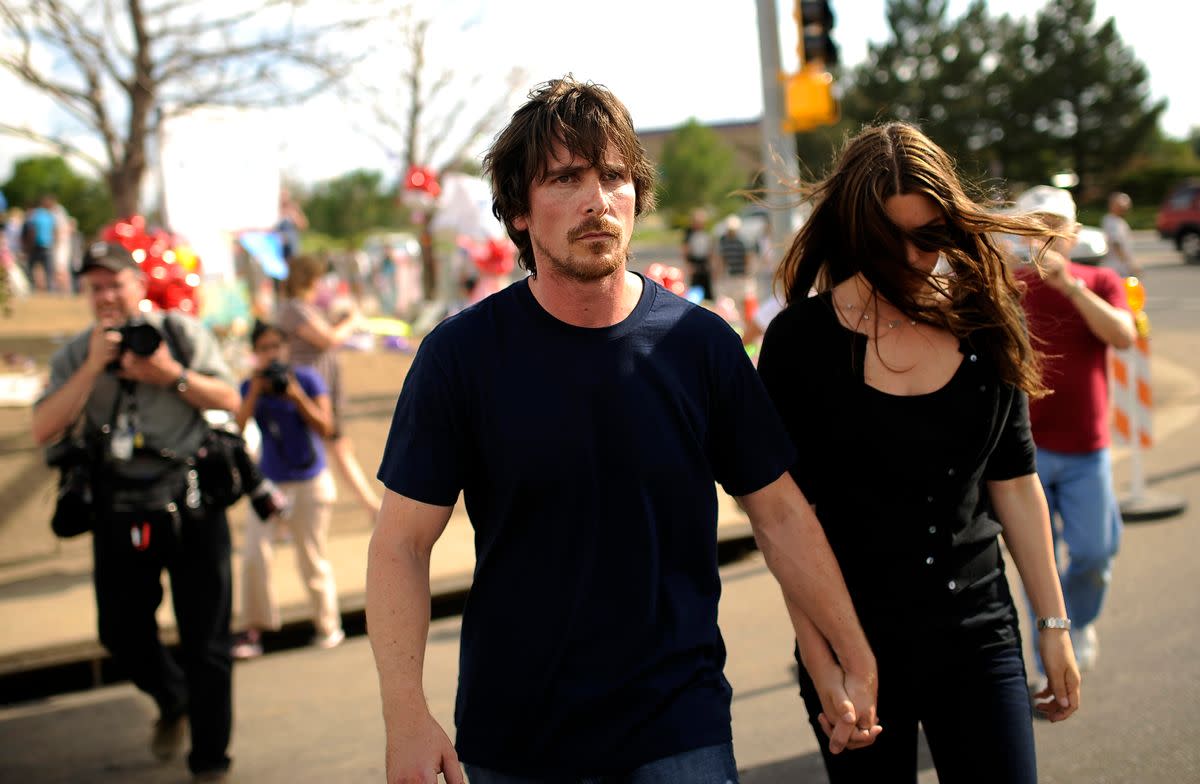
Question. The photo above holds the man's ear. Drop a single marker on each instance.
(520, 223)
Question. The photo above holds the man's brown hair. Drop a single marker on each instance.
(587, 121)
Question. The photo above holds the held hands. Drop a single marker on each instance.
(1060, 699)
(850, 700)
(418, 751)
(159, 369)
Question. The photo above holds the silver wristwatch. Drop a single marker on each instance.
(181, 383)
(1053, 623)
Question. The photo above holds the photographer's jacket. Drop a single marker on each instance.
(167, 423)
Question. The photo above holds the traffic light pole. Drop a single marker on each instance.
(780, 169)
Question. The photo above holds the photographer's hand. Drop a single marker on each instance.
(104, 346)
(159, 369)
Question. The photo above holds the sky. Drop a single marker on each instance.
(668, 60)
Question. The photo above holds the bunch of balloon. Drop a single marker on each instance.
(493, 259)
(670, 278)
(171, 267)
(1133, 405)
(421, 191)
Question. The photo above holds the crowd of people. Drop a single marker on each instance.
(590, 646)
(41, 246)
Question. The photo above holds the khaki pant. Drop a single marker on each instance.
(308, 519)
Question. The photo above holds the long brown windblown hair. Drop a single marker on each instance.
(586, 120)
(849, 232)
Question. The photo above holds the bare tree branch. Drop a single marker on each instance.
(58, 145)
(119, 66)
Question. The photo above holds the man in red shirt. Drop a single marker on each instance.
(1075, 314)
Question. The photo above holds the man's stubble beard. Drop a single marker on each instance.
(573, 268)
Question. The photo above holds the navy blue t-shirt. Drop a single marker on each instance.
(587, 460)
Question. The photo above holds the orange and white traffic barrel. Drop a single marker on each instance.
(1132, 416)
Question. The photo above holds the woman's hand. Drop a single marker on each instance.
(1060, 699)
(838, 721)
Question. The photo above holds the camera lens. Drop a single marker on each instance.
(140, 337)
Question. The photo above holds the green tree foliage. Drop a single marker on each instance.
(698, 170)
(1019, 99)
(934, 72)
(349, 206)
(85, 199)
(1093, 94)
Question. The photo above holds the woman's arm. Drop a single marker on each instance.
(316, 330)
(316, 412)
(246, 409)
(1020, 506)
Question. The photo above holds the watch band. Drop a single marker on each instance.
(1053, 623)
(181, 383)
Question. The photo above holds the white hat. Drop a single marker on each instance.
(733, 223)
(1047, 199)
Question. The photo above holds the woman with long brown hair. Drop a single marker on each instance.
(904, 380)
(312, 340)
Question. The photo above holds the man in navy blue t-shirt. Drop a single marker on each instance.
(585, 413)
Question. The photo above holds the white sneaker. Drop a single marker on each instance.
(1086, 643)
(331, 640)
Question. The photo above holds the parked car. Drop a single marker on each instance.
(1179, 219)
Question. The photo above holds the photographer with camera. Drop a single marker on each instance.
(293, 410)
(139, 408)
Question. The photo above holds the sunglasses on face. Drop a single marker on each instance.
(933, 237)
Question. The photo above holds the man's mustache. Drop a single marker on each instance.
(594, 226)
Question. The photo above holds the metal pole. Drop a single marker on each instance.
(778, 148)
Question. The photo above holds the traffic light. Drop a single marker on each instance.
(817, 48)
(809, 99)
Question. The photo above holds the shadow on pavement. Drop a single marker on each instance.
(811, 769)
(101, 741)
(52, 582)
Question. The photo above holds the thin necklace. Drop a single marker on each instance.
(891, 323)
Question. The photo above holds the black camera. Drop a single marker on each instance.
(140, 336)
(277, 374)
(137, 336)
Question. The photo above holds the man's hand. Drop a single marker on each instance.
(419, 750)
(1055, 269)
(841, 722)
(159, 369)
(103, 348)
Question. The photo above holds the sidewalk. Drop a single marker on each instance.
(48, 613)
(47, 607)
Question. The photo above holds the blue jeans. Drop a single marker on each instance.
(970, 700)
(708, 765)
(1085, 514)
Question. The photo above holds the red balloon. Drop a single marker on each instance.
(168, 285)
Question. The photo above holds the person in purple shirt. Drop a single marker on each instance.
(293, 410)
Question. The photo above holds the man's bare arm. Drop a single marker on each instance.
(398, 626)
(826, 625)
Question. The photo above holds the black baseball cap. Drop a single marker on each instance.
(106, 255)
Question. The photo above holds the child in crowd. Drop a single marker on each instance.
(293, 410)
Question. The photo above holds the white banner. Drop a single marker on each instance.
(220, 176)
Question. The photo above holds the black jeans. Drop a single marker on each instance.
(195, 551)
(965, 689)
